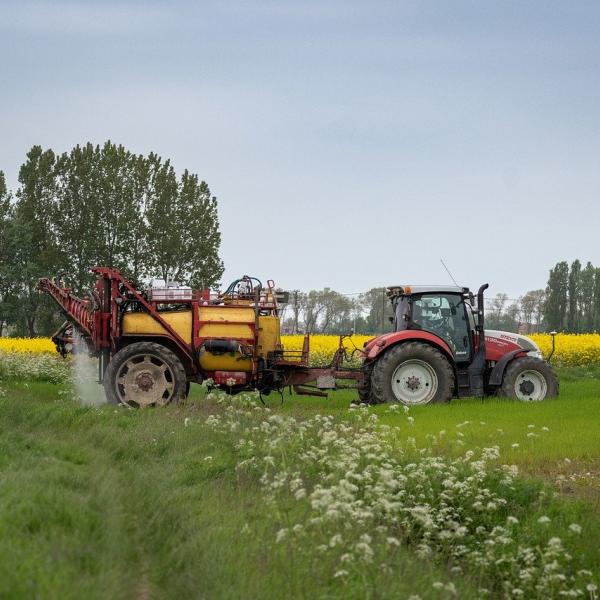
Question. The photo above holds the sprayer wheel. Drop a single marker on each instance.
(145, 374)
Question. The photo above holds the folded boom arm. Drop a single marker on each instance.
(78, 311)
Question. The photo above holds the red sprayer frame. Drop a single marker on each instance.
(98, 319)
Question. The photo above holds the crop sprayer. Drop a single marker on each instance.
(151, 344)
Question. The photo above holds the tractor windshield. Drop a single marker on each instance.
(443, 315)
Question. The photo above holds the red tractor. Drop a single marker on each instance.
(153, 343)
(439, 349)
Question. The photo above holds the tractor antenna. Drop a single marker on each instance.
(448, 271)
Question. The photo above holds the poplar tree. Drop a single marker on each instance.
(5, 279)
(597, 300)
(78, 217)
(573, 319)
(555, 307)
(183, 226)
(586, 298)
(31, 243)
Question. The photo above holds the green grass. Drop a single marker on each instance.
(572, 420)
(107, 502)
(115, 503)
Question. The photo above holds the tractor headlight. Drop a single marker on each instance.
(530, 346)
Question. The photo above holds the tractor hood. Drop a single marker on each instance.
(498, 343)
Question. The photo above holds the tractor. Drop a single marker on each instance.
(152, 343)
(439, 349)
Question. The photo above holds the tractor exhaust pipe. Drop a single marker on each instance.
(477, 366)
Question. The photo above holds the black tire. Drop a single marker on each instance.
(365, 395)
(426, 357)
(520, 379)
(158, 369)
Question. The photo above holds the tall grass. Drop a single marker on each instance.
(204, 501)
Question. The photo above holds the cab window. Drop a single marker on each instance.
(444, 315)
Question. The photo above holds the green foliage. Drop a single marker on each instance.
(573, 298)
(190, 501)
(32, 250)
(574, 290)
(182, 216)
(101, 205)
(6, 283)
(379, 311)
(555, 309)
(326, 311)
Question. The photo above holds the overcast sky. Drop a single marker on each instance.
(349, 144)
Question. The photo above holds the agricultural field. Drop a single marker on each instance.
(223, 497)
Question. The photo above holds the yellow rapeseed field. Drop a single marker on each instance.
(571, 349)
(322, 347)
(31, 345)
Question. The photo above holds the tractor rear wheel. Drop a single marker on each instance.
(145, 374)
(412, 373)
(529, 379)
(365, 394)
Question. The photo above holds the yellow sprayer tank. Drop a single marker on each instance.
(229, 322)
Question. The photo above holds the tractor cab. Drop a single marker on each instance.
(447, 312)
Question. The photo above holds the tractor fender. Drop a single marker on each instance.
(497, 373)
(381, 343)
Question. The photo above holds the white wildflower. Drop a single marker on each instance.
(575, 528)
(281, 534)
(300, 493)
(544, 520)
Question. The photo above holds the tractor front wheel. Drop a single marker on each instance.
(145, 374)
(529, 379)
(412, 373)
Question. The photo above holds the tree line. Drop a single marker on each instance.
(100, 205)
(573, 298)
(570, 303)
(104, 205)
(329, 312)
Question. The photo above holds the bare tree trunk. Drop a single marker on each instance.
(31, 326)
